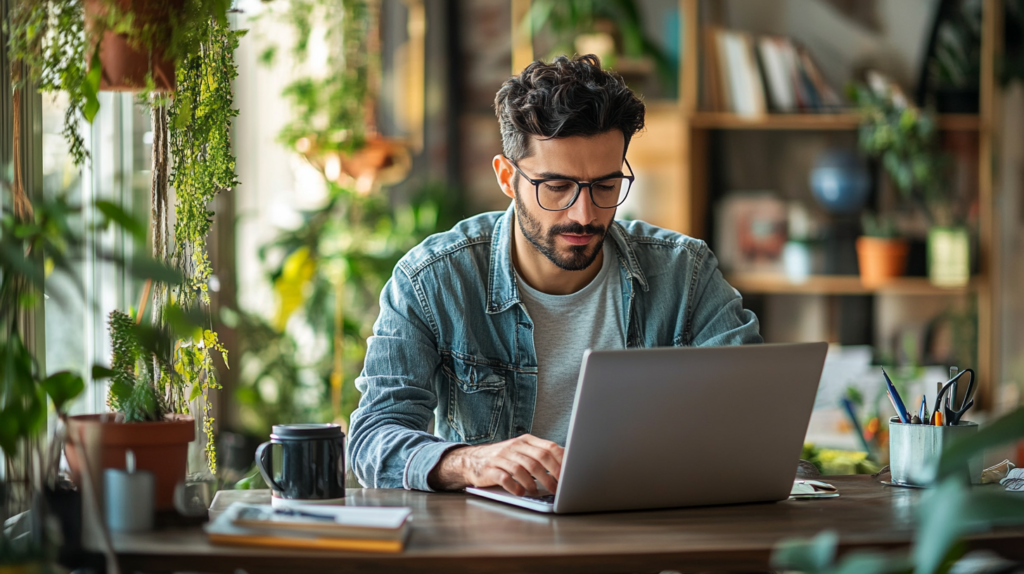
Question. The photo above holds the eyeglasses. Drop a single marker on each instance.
(561, 194)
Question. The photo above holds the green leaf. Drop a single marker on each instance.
(941, 523)
(196, 391)
(62, 387)
(144, 267)
(12, 259)
(868, 562)
(1006, 429)
(100, 373)
(809, 556)
(115, 213)
(91, 87)
(184, 324)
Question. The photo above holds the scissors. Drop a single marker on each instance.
(952, 415)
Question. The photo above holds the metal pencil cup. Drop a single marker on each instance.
(914, 451)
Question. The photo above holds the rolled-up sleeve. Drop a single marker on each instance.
(389, 444)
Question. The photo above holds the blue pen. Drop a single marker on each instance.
(856, 425)
(923, 414)
(894, 397)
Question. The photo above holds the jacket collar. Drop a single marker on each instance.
(502, 291)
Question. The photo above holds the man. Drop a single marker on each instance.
(482, 329)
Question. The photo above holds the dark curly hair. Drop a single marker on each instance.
(566, 98)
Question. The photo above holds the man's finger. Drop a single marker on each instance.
(545, 457)
(537, 470)
(504, 480)
(519, 473)
(547, 445)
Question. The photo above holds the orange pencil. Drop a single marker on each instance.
(938, 419)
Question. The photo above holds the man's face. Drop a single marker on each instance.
(571, 238)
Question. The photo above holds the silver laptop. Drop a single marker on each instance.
(673, 427)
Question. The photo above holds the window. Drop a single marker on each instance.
(119, 142)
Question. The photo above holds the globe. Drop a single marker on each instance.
(840, 181)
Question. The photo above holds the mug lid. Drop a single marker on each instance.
(307, 431)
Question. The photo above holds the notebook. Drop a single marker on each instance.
(361, 529)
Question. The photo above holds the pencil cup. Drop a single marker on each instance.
(914, 450)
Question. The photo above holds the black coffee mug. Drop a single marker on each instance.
(312, 462)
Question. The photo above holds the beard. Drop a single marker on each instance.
(578, 258)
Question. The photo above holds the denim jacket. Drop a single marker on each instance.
(453, 344)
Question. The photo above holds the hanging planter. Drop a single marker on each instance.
(379, 161)
(135, 60)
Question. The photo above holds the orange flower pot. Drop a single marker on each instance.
(124, 67)
(881, 260)
(160, 448)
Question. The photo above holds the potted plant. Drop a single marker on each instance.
(31, 234)
(881, 252)
(143, 419)
(905, 139)
(613, 31)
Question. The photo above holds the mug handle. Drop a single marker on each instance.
(262, 452)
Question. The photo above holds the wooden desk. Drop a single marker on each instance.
(461, 533)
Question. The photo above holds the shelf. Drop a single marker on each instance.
(771, 283)
(811, 122)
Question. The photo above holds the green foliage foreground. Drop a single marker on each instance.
(944, 514)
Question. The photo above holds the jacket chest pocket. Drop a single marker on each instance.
(476, 395)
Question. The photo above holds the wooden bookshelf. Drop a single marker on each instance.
(698, 155)
(824, 122)
(679, 149)
(777, 284)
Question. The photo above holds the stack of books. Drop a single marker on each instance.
(351, 528)
(751, 76)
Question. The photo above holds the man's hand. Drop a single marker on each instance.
(512, 464)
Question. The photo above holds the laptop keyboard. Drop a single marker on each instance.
(545, 498)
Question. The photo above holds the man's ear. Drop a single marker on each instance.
(504, 172)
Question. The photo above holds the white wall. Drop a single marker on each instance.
(275, 183)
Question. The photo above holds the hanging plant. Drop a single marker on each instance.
(139, 43)
(199, 137)
(329, 107)
(46, 49)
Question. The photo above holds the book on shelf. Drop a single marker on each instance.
(751, 76)
(349, 528)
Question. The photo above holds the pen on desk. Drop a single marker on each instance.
(297, 512)
(894, 398)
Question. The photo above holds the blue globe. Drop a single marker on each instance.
(840, 181)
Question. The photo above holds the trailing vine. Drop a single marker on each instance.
(199, 136)
(47, 47)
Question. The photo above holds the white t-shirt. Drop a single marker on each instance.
(564, 326)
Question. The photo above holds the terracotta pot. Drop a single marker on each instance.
(881, 260)
(124, 67)
(159, 447)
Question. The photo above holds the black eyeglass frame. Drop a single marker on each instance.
(579, 187)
